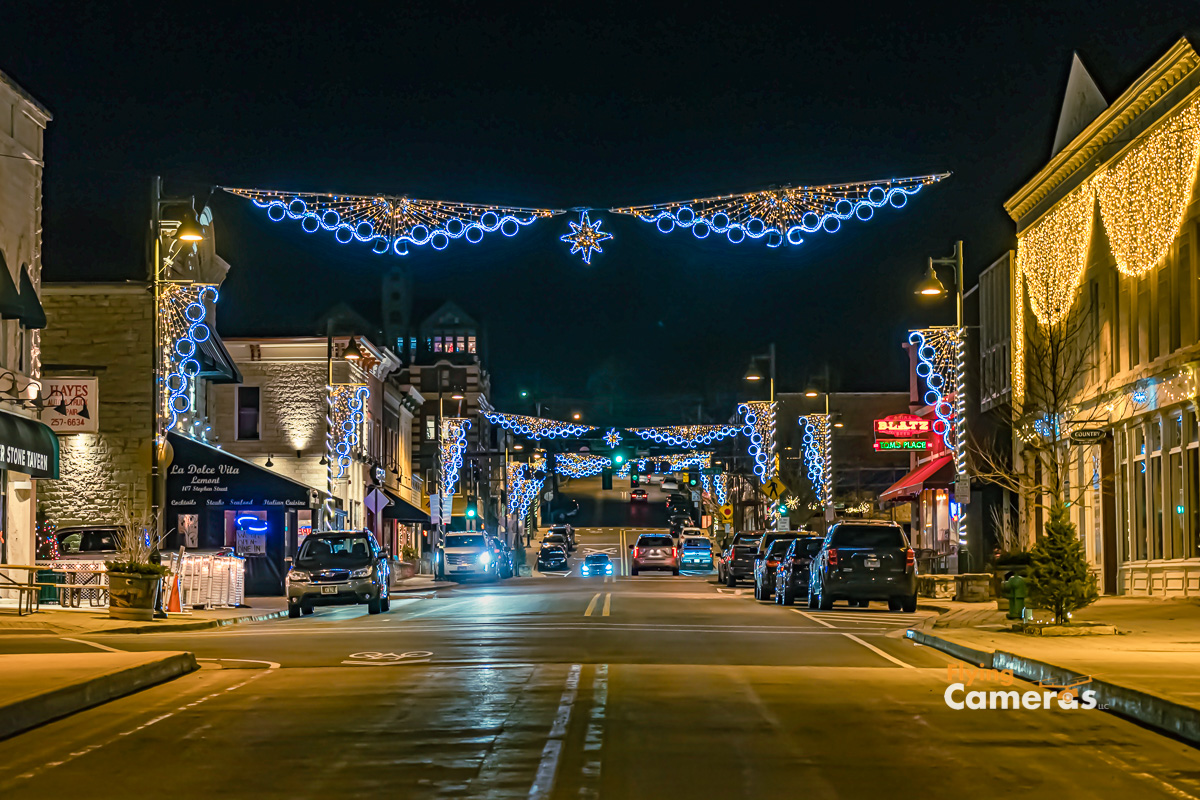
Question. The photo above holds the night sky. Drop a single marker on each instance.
(557, 105)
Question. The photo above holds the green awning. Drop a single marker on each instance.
(32, 315)
(10, 300)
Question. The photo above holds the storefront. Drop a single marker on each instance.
(402, 524)
(28, 452)
(217, 500)
(929, 488)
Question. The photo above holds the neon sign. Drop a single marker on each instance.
(902, 425)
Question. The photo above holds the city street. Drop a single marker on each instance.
(600, 508)
(571, 687)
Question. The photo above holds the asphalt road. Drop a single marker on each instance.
(567, 687)
(599, 508)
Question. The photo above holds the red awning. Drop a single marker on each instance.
(935, 473)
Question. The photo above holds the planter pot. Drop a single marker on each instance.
(405, 570)
(132, 596)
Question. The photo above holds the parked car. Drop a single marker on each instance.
(558, 539)
(470, 555)
(339, 568)
(679, 503)
(638, 496)
(737, 560)
(654, 551)
(861, 561)
(84, 543)
(791, 576)
(567, 532)
(596, 564)
(505, 568)
(552, 558)
(770, 550)
(695, 550)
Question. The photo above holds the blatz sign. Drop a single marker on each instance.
(905, 426)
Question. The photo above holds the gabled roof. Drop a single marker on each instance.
(26, 96)
(449, 314)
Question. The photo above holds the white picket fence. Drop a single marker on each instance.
(209, 581)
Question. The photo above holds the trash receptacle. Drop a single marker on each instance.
(48, 594)
(1015, 588)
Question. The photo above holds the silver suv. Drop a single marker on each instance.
(654, 551)
(336, 568)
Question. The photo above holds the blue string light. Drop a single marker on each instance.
(580, 465)
(781, 216)
(453, 444)
(936, 354)
(184, 328)
(535, 427)
(758, 425)
(687, 435)
(346, 404)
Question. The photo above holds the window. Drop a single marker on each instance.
(430, 428)
(248, 412)
(470, 344)
(461, 347)
(437, 344)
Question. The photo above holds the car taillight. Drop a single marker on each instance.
(636, 551)
(910, 558)
(674, 550)
(772, 563)
(832, 558)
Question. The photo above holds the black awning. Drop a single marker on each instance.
(216, 364)
(27, 445)
(32, 315)
(202, 476)
(10, 300)
(403, 511)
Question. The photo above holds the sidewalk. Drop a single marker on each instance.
(420, 583)
(35, 689)
(1150, 670)
(83, 621)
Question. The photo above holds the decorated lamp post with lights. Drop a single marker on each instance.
(181, 309)
(345, 411)
(941, 363)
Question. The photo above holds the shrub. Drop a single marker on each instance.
(137, 568)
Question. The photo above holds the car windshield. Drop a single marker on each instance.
(596, 558)
(774, 539)
(808, 547)
(696, 543)
(778, 547)
(869, 536)
(334, 551)
(655, 541)
(465, 540)
(554, 538)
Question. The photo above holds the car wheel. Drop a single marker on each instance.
(909, 605)
(824, 602)
(373, 606)
(294, 612)
(307, 609)
(812, 598)
(894, 604)
(633, 571)
(730, 581)
(768, 591)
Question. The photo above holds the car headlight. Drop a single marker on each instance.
(365, 572)
(485, 558)
(608, 568)
(583, 570)
(298, 576)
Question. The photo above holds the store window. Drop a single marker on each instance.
(470, 344)
(430, 428)
(248, 413)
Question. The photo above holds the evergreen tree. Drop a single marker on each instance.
(1059, 579)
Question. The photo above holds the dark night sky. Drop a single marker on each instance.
(561, 106)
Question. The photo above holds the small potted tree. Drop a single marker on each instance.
(133, 576)
(1059, 578)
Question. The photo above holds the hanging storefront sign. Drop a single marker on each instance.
(902, 426)
(72, 405)
(883, 445)
(28, 446)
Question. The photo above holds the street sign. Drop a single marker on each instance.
(784, 524)
(725, 512)
(1088, 435)
(962, 490)
(773, 489)
(376, 501)
(435, 508)
(695, 495)
(711, 470)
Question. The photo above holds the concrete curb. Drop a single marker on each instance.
(426, 588)
(65, 700)
(1155, 712)
(180, 627)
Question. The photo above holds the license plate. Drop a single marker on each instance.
(462, 567)
(871, 562)
(328, 590)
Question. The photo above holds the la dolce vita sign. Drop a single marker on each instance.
(202, 478)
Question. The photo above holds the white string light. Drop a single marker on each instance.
(453, 444)
(687, 435)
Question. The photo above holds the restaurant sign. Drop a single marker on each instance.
(902, 426)
(901, 444)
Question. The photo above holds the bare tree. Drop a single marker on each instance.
(137, 535)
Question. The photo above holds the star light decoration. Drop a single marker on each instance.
(390, 223)
(782, 215)
(585, 236)
(792, 503)
(687, 435)
(612, 438)
(535, 427)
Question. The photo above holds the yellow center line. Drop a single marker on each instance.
(607, 604)
(592, 605)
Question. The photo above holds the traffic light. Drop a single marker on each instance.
(783, 509)
(472, 510)
(606, 479)
(693, 479)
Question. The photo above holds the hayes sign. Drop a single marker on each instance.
(72, 405)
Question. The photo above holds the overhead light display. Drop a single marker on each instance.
(535, 427)
(687, 435)
(758, 425)
(585, 237)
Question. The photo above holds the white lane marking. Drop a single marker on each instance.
(806, 615)
(543, 782)
(593, 740)
(592, 605)
(879, 652)
(1129, 769)
(92, 644)
(607, 604)
(505, 629)
(270, 664)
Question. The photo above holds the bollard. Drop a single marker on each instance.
(1015, 588)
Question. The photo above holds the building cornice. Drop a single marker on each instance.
(1176, 65)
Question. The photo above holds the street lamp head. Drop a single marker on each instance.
(838, 425)
(518, 446)
(189, 229)
(753, 373)
(930, 286)
(811, 393)
(575, 416)
(352, 351)
(457, 395)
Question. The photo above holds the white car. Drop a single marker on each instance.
(468, 555)
(670, 485)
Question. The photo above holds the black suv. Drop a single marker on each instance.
(737, 562)
(862, 561)
(791, 576)
(770, 549)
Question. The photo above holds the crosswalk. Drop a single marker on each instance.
(852, 619)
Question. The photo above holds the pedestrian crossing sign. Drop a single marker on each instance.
(774, 489)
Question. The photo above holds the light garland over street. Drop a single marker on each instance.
(687, 435)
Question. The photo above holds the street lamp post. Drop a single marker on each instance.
(826, 490)
(930, 286)
(352, 353)
(753, 374)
